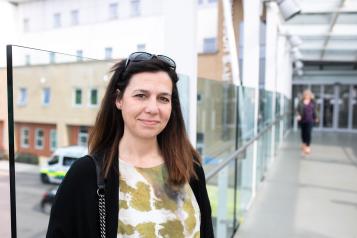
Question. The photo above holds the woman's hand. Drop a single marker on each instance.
(298, 117)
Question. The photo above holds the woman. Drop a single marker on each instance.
(155, 185)
(306, 116)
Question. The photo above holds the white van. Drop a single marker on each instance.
(57, 166)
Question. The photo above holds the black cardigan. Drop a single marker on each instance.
(75, 212)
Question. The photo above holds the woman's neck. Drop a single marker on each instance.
(139, 151)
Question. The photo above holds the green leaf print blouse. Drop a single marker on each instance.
(149, 208)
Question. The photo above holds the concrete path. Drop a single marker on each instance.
(308, 197)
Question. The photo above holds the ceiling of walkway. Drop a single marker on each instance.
(328, 29)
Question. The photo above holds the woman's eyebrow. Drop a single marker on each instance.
(148, 92)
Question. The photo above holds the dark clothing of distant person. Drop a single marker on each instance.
(308, 117)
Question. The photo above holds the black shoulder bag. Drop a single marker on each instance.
(101, 196)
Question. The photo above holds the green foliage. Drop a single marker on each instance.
(26, 158)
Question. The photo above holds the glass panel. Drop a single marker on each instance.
(221, 194)
(354, 106)
(328, 102)
(46, 117)
(216, 120)
(316, 91)
(343, 102)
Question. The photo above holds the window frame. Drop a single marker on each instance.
(22, 144)
(75, 97)
(90, 97)
(53, 139)
(23, 96)
(113, 13)
(42, 139)
(44, 103)
(57, 23)
(74, 17)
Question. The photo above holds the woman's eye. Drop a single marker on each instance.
(140, 95)
(165, 99)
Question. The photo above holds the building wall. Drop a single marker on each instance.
(31, 148)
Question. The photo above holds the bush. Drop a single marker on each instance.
(26, 158)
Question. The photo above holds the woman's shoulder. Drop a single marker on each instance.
(81, 169)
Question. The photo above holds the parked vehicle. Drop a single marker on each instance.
(48, 199)
(59, 163)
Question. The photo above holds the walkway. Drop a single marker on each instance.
(312, 197)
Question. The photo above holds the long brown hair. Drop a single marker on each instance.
(179, 155)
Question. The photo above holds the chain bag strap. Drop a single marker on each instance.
(101, 197)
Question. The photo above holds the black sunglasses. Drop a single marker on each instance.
(144, 56)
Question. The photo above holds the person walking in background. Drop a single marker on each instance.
(306, 116)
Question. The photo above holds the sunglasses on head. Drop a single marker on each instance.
(144, 56)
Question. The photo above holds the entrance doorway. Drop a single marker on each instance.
(336, 105)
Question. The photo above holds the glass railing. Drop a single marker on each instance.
(231, 188)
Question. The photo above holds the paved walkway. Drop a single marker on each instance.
(311, 197)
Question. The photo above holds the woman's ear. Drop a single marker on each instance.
(118, 101)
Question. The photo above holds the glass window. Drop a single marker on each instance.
(93, 97)
(53, 160)
(113, 10)
(108, 51)
(57, 20)
(212, 1)
(68, 161)
(141, 47)
(39, 137)
(78, 96)
(53, 139)
(83, 136)
(52, 57)
(26, 25)
(135, 7)
(22, 96)
(46, 96)
(74, 17)
(199, 2)
(27, 60)
(209, 45)
(25, 134)
(79, 54)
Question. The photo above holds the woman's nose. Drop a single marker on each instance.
(152, 106)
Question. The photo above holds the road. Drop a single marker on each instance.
(31, 221)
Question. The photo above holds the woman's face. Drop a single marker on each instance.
(146, 104)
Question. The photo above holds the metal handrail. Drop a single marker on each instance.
(239, 151)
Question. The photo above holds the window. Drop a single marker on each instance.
(135, 7)
(83, 136)
(140, 47)
(113, 10)
(53, 139)
(52, 57)
(27, 60)
(212, 1)
(68, 161)
(108, 53)
(57, 20)
(46, 96)
(93, 97)
(39, 137)
(26, 25)
(209, 45)
(74, 17)
(53, 160)
(79, 54)
(78, 97)
(25, 134)
(22, 96)
(200, 2)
